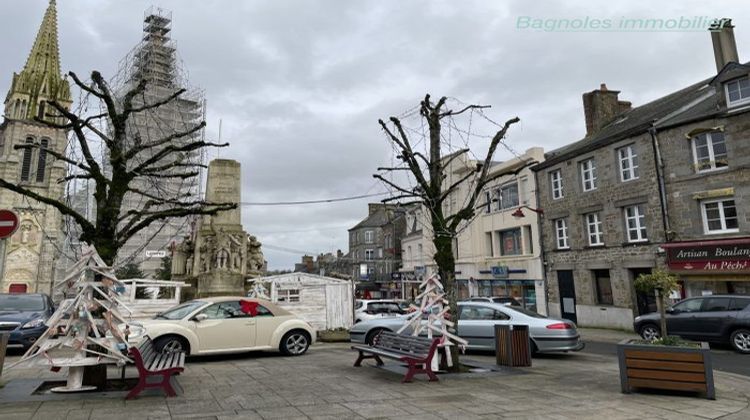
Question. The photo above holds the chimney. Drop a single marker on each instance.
(725, 48)
(373, 208)
(600, 107)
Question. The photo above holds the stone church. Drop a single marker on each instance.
(28, 258)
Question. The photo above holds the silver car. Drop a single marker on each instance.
(476, 324)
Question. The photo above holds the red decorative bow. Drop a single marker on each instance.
(248, 307)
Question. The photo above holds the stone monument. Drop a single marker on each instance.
(220, 256)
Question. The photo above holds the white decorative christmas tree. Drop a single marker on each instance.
(258, 291)
(432, 302)
(90, 287)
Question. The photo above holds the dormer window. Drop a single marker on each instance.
(738, 92)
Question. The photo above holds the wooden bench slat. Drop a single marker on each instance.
(677, 386)
(668, 356)
(664, 365)
(667, 375)
(152, 363)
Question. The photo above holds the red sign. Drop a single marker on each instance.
(8, 223)
(719, 256)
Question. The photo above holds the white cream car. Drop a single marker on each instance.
(226, 325)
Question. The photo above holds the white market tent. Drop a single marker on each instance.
(324, 302)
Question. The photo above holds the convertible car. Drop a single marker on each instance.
(226, 325)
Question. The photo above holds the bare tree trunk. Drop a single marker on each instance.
(662, 314)
(446, 268)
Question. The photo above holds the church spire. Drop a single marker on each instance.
(40, 78)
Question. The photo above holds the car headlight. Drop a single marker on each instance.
(34, 323)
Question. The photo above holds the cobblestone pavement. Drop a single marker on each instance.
(324, 385)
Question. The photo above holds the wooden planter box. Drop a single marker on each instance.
(666, 367)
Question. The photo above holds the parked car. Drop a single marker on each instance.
(716, 319)
(23, 315)
(380, 308)
(476, 324)
(226, 325)
(505, 300)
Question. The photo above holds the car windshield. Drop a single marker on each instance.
(181, 311)
(526, 312)
(21, 303)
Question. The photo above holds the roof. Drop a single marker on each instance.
(314, 277)
(379, 218)
(696, 102)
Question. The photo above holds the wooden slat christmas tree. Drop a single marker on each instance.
(432, 303)
(85, 328)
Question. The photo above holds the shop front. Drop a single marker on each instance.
(711, 267)
(502, 281)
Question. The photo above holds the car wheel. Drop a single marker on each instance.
(171, 344)
(370, 339)
(740, 340)
(534, 348)
(650, 332)
(295, 343)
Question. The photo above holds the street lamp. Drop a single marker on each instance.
(519, 213)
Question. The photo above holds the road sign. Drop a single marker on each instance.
(8, 223)
(156, 254)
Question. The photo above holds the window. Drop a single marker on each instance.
(488, 244)
(510, 242)
(603, 287)
(719, 216)
(556, 184)
(287, 295)
(738, 91)
(739, 304)
(369, 254)
(716, 304)
(480, 313)
(628, 163)
(42, 162)
(588, 174)
(488, 198)
(225, 310)
(370, 270)
(561, 231)
(369, 235)
(26, 161)
(709, 151)
(508, 196)
(380, 252)
(690, 305)
(635, 223)
(594, 225)
(419, 251)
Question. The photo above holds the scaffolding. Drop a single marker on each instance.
(155, 59)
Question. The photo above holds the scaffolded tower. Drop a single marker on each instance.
(155, 60)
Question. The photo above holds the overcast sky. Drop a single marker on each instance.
(300, 85)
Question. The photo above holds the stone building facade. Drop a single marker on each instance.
(28, 259)
(644, 184)
(375, 251)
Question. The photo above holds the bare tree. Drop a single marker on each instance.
(129, 161)
(430, 191)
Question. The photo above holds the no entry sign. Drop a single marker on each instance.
(8, 223)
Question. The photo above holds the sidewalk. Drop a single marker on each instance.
(324, 385)
(605, 335)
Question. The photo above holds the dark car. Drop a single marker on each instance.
(716, 319)
(23, 316)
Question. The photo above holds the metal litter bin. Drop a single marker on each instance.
(512, 345)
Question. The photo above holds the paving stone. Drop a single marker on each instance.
(280, 413)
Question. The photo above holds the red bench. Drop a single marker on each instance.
(152, 363)
(415, 351)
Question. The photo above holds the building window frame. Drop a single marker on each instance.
(713, 161)
(505, 203)
(515, 237)
(561, 234)
(588, 175)
(288, 295)
(723, 219)
(556, 184)
(604, 292)
(635, 223)
(740, 90)
(627, 158)
(594, 229)
(369, 254)
(369, 236)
